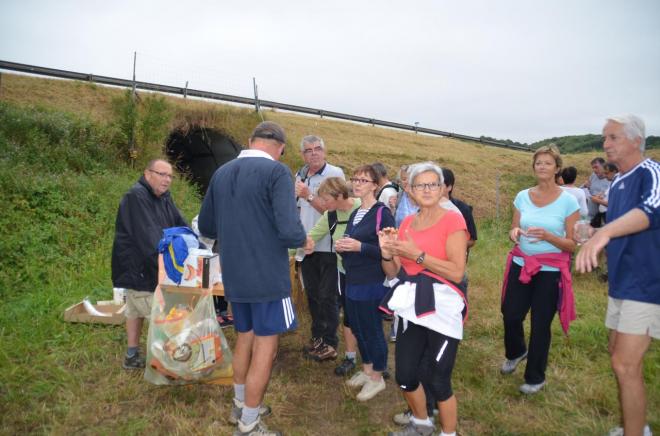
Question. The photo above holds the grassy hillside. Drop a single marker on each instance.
(477, 167)
(64, 169)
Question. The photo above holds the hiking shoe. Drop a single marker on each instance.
(370, 389)
(134, 362)
(313, 344)
(531, 389)
(237, 409)
(510, 365)
(412, 429)
(618, 431)
(257, 428)
(358, 379)
(225, 321)
(402, 418)
(324, 352)
(345, 367)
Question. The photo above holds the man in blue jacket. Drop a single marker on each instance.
(145, 210)
(632, 237)
(250, 209)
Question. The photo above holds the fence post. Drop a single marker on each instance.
(497, 197)
(185, 90)
(134, 62)
(132, 151)
(256, 95)
(0, 84)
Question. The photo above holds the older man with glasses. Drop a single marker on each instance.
(632, 239)
(319, 269)
(145, 210)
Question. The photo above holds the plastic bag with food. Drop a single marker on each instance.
(185, 342)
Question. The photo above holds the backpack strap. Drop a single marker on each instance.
(332, 221)
(379, 216)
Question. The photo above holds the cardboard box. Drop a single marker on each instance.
(78, 313)
(200, 270)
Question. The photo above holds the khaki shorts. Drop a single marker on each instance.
(633, 317)
(138, 304)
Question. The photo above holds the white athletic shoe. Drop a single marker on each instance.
(358, 379)
(531, 389)
(508, 366)
(370, 389)
(618, 431)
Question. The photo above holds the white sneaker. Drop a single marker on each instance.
(402, 418)
(237, 409)
(358, 379)
(531, 389)
(257, 428)
(618, 431)
(370, 389)
(508, 366)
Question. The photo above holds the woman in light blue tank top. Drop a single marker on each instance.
(543, 221)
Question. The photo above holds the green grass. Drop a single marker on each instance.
(60, 186)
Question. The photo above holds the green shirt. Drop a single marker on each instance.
(321, 228)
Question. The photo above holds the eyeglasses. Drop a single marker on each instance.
(166, 175)
(316, 149)
(422, 186)
(361, 181)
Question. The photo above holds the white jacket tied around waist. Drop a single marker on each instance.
(448, 316)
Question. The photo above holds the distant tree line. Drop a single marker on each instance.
(574, 143)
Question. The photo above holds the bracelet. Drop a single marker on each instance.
(386, 259)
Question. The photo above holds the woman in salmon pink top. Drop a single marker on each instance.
(424, 260)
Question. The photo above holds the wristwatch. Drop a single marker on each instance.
(420, 258)
(309, 198)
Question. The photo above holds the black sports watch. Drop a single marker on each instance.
(420, 258)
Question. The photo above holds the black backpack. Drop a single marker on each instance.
(389, 185)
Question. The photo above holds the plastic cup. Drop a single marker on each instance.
(300, 254)
(582, 231)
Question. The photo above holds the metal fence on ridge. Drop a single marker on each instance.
(255, 101)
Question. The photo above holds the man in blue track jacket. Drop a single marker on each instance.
(632, 237)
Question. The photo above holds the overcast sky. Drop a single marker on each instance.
(523, 70)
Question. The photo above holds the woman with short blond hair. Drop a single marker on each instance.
(538, 269)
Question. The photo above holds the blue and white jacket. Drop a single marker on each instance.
(634, 260)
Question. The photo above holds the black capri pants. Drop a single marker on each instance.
(341, 286)
(426, 356)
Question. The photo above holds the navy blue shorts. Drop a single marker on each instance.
(266, 319)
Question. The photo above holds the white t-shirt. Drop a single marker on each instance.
(308, 215)
(602, 208)
(387, 193)
(580, 196)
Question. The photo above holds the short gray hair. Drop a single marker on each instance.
(311, 139)
(403, 170)
(633, 127)
(423, 167)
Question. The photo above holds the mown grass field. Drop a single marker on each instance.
(62, 178)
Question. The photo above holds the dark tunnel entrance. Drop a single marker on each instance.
(198, 152)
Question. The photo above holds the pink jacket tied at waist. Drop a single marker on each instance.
(533, 264)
